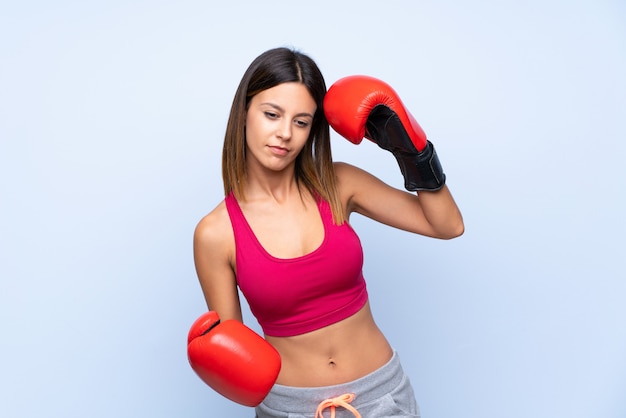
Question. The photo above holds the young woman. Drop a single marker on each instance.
(282, 235)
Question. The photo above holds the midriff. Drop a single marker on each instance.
(339, 353)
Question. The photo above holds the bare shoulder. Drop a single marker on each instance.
(356, 186)
(344, 169)
(348, 177)
(213, 220)
(347, 173)
(214, 232)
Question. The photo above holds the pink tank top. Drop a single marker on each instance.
(298, 295)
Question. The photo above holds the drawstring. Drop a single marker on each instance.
(343, 400)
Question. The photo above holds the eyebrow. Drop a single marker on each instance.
(280, 109)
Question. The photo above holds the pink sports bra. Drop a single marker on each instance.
(298, 295)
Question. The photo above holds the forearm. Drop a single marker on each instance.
(442, 213)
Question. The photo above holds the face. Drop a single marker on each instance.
(278, 123)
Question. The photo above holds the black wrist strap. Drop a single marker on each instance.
(422, 170)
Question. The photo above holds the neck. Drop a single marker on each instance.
(276, 186)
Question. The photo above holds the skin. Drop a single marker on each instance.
(288, 224)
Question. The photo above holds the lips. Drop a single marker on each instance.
(276, 150)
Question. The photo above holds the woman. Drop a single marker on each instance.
(282, 235)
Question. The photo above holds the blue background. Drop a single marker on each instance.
(111, 124)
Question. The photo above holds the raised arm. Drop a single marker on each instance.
(360, 107)
(433, 213)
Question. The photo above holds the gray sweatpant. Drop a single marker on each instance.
(386, 392)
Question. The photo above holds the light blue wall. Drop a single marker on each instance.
(111, 122)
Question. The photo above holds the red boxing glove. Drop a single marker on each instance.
(232, 359)
(360, 107)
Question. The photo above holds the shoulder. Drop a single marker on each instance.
(346, 172)
(341, 168)
(214, 231)
(352, 180)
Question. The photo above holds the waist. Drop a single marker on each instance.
(370, 387)
(339, 353)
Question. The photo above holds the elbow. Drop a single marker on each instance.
(460, 230)
(454, 231)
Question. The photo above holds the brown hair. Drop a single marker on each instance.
(314, 165)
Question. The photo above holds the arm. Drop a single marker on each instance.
(228, 356)
(213, 251)
(360, 107)
(430, 213)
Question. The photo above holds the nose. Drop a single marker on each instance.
(284, 129)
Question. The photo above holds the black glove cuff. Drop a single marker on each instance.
(421, 171)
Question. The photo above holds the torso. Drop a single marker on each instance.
(338, 353)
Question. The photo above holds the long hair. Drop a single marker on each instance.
(314, 165)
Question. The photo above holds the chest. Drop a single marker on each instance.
(286, 231)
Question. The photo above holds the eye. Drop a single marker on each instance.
(302, 123)
(271, 115)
